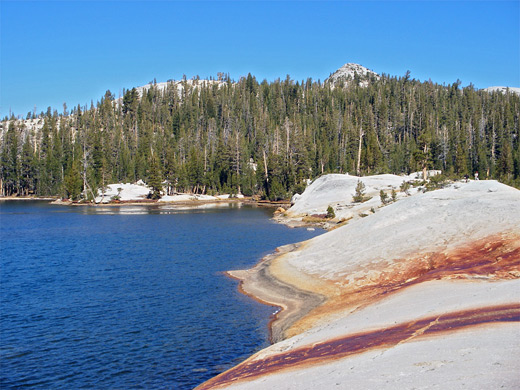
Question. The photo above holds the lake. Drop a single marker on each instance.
(129, 296)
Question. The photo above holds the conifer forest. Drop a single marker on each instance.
(264, 139)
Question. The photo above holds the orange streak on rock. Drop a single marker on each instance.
(496, 257)
(365, 341)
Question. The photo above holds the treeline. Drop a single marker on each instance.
(263, 139)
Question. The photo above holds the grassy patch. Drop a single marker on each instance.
(316, 218)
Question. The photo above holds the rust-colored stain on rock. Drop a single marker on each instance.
(362, 342)
(495, 257)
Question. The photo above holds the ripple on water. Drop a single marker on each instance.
(128, 297)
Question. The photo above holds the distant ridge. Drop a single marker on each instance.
(515, 90)
(179, 84)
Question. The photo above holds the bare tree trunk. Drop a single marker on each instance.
(493, 143)
(238, 165)
(425, 163)
(265, 167)
(361, 134)
(287, 131)
(205, 159)
(444, 146)
(85, 184)
(276, 135)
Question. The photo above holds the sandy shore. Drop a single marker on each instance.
(265, 283)
(146, 202)
(26, 198)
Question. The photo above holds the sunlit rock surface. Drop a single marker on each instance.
(424, 293)
(338, 190)
(503, 89)
(348, 72)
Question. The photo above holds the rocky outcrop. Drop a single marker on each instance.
(338, 191)
(424, 293)
(350, 72)
(503, 89)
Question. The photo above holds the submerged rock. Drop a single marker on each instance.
(279, 210)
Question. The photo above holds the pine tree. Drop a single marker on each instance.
(204, 136)
(10, 169)
(73, 182)
(28, 171)
(154, 179)
(359, 196)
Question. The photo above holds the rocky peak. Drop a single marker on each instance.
(347, 73)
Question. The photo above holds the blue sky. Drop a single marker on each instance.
(73, 51)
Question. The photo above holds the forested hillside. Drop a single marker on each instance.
(263, 138)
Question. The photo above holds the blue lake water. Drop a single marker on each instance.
(129, 297)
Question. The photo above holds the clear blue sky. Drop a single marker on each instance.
(73, 51)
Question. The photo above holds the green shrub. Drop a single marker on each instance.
(405, 187)
(383, 196)
(436, 182)
(359, 196)
(330, 213)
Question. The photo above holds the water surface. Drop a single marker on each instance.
(130, 296)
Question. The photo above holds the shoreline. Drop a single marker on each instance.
(298, 222)
(51, 198)
(146, 202)
(261, 284)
